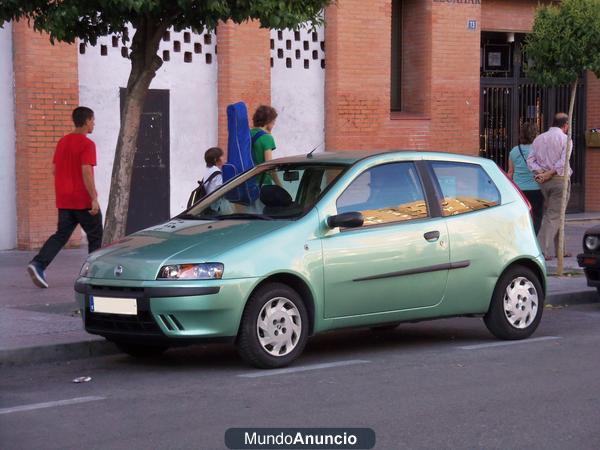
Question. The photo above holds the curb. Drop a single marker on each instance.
(100, 347)
(588, 218)
(56, 352)
(573, 298)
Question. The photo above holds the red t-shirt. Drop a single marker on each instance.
(72, 152)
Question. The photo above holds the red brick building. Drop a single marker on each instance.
(400, 74)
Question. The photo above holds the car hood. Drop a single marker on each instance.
(142, 254)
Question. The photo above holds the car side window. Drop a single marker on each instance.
(465, 187)
(384, 194)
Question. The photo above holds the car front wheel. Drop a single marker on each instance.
(517, 304)
(274, 327)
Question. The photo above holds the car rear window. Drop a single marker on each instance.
(464, 187)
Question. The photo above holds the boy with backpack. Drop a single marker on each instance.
(214, 178)
(214, 162)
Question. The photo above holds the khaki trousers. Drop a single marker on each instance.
(548, 235)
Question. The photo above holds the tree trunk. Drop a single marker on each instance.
(563, 200)
(144, 64)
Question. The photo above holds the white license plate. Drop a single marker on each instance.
(113, 305)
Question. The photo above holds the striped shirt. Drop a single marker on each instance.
(548, 152)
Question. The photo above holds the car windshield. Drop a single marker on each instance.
(268, 192)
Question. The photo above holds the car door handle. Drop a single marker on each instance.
(432, 236)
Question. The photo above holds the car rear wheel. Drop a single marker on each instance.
(274, 327)
(517, 304)
(140, 350)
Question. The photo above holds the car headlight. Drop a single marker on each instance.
(205, 271)
(591, 242)
(85, 269)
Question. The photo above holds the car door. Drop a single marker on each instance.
(398, 259)
(480, 230)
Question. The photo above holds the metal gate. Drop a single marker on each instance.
(508, 100)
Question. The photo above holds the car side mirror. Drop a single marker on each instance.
(346, 220)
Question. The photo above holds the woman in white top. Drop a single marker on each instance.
(214, 162)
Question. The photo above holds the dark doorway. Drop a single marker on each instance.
(509, 99)
(149, 201)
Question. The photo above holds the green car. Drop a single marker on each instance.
(307, 244)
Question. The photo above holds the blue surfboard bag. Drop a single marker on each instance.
(239, 154)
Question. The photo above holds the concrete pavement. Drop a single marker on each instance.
(440, 384)
(38, 325)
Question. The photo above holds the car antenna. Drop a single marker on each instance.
(312, 151)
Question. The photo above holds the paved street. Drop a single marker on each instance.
(442, 384)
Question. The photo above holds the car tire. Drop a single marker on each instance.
(517, 304)
(140, 350)
(274, 327)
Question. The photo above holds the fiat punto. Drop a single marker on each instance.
(302, 245)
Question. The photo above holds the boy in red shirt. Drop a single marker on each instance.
(76, 196)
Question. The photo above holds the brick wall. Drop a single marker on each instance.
(357, 82)
(416, 57)
(508, 15)
(592, 159)
(46, 91)
(443, 113)
(455, 78)
(244, 70)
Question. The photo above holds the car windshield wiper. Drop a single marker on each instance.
(244, 216)
(193, 217)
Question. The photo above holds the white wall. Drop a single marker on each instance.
(8, 197)
(298, 93)
(193, 107)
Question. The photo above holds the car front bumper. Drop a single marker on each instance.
(591, 267)
(173, 312)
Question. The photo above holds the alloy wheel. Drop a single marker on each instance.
(279, 326)
(520, 302)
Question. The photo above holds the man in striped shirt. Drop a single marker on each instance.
(547, 162)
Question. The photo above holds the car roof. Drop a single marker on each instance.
(350, 157)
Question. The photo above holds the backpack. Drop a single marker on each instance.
(239, 154)
(200, 192)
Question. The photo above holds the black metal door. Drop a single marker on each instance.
(496, 123)
(149, 201)
(509, 99)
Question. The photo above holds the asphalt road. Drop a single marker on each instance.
(441, 384)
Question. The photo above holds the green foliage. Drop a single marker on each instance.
(565, 42)
(67, 20)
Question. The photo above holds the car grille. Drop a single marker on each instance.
(116, 291)
(141, 324)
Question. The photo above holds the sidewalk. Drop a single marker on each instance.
(39, 325)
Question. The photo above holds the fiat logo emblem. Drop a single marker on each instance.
(118, 271)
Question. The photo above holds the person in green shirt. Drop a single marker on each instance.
(263, 122)
(263, 143)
